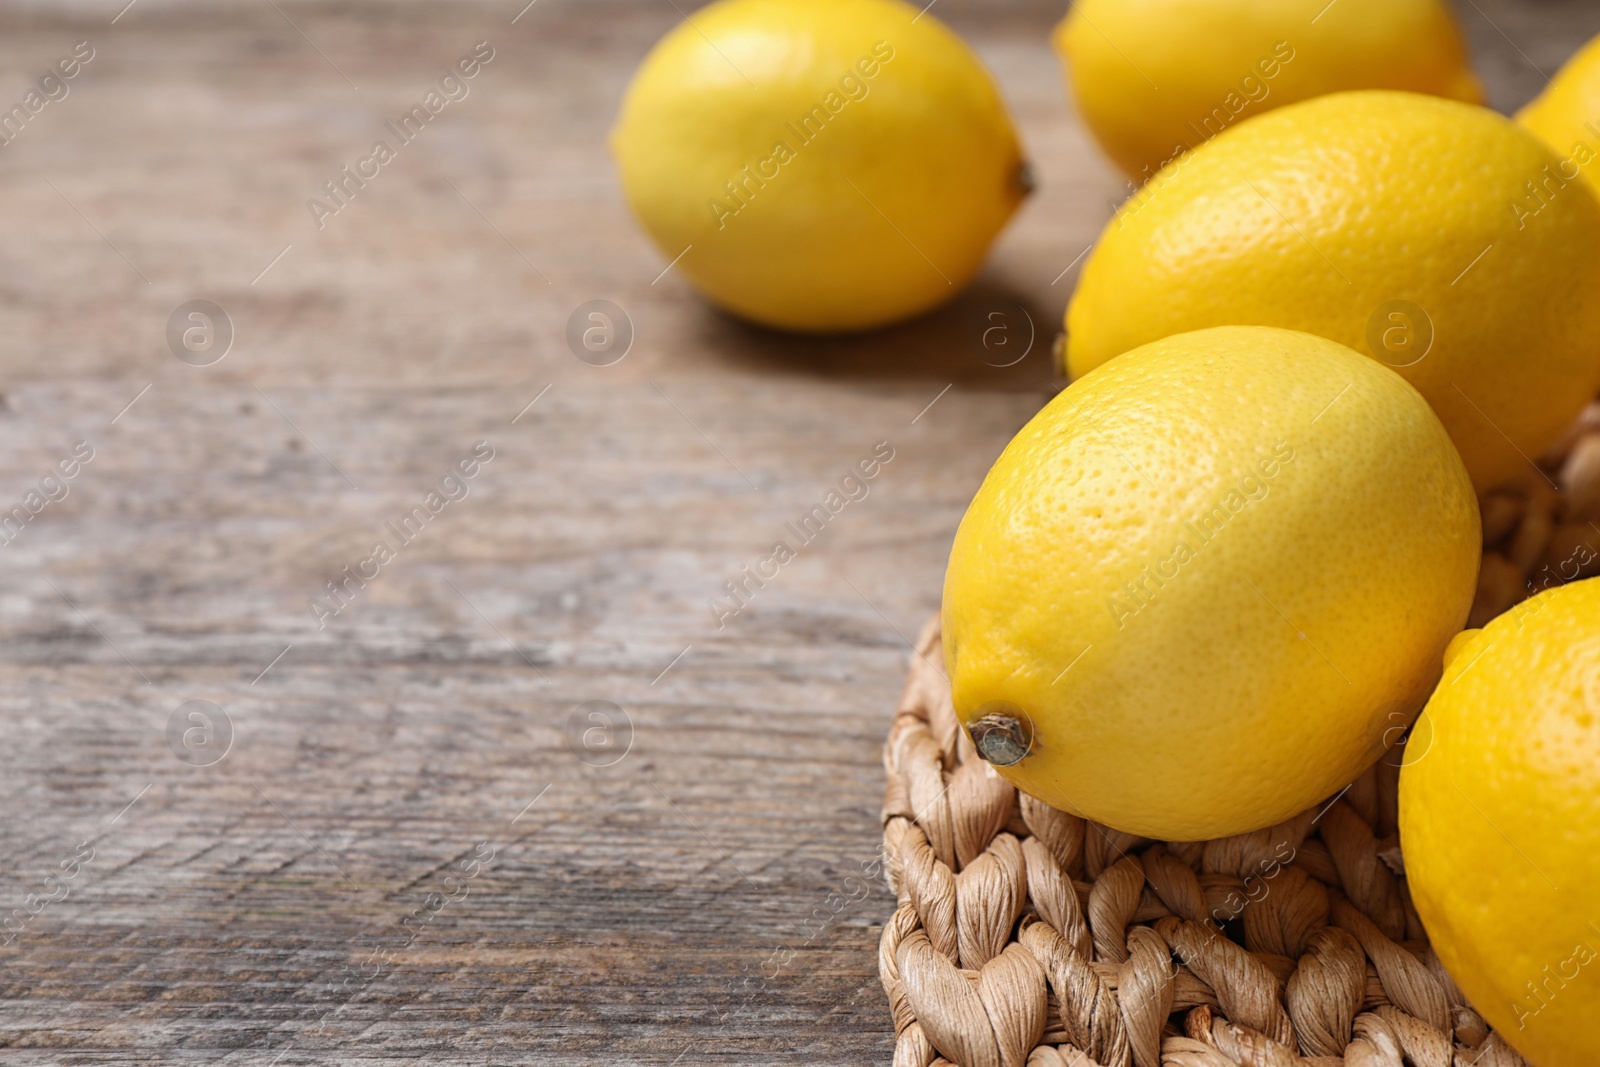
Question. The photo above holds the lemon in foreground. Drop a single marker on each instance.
(1397, 224)
(819, 165)
(1566, 116)
(1156, 78)
(1500, 823)
(1201, 584)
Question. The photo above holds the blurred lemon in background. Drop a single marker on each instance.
(1156, 78)
(820, 165)
(1500, 823)
(1201, 584)
(1401, 225)
(1566, 116)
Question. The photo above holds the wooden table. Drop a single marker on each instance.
(408, 850)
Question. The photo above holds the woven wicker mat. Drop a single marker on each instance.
(1031, 938)
(1025, 937)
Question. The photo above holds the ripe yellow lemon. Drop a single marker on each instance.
(1201, 585)
(1397, 224)
(820, 165)
(1500, 823)
(1156, 78)
(1566, 116)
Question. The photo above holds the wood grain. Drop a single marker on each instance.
(698, 901)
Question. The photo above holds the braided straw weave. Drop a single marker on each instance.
(1025, 937)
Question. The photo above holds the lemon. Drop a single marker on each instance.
(819, 165)
(1200, 585)
(1500, 823)
(1398, 224)
(1566, 116)
(1156, 78)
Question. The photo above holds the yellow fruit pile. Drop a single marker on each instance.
(1222, 573)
